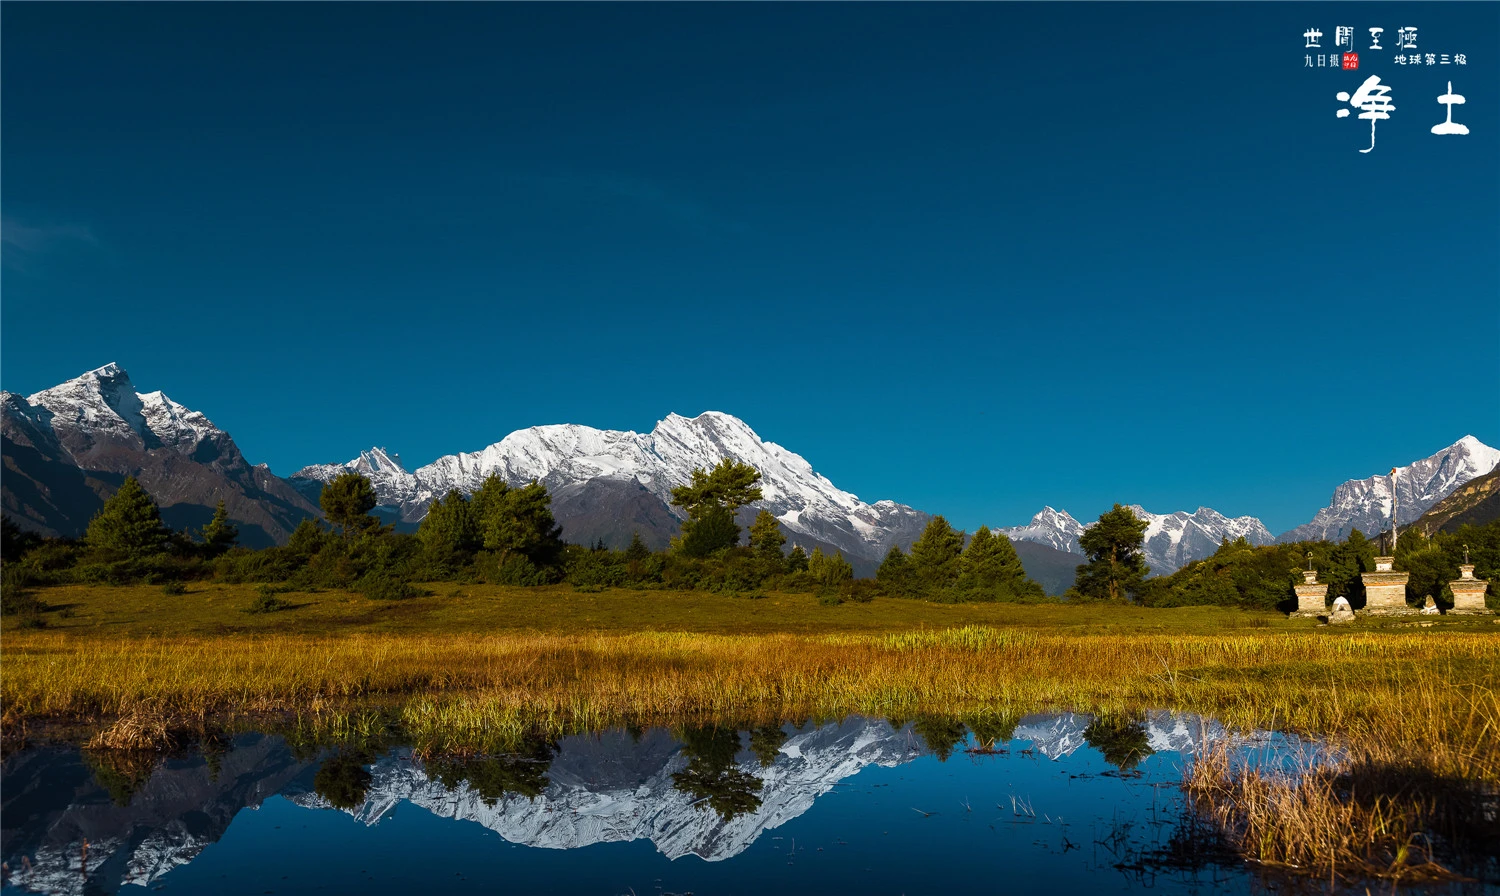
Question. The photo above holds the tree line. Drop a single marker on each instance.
(506, 535)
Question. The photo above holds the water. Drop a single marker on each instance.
(862, 804)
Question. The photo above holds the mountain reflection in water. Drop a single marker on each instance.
(715, 794)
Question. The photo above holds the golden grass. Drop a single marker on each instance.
(1384, 807)
(460, 687)
(479, 669)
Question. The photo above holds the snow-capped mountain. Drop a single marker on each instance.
(1365, 504)
(810, 507)
(1054, 528)
(1172, 540)
(70, 446)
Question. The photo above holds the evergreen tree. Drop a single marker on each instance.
(14, 543)
(1346, 563)
(346, 501)
(1116, 565)
(129, 524)
(894, 573)
(829, 571)
(449, 531)
(637, 549)
(519, 521)
(307, 539)
(765, 536)
(992, 570)
(935, 556)
(796, 561)
(220, 534)
(711, 531)
(710, 500)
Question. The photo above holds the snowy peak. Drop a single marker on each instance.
(1172, 540)
(560, 455)
(1054, 528)
(1365, 504)
(103, 406)
(102, 400)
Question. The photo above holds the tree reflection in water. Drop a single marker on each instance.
(1121, 739)
(492, 777)
(343, 779)
(711, 776)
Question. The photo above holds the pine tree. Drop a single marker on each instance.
(129, 524)
(765, 536)
(710, 500)
(796, 561)
(1116, 564)
(519, 521)
(220, 534)
(637, 549)
(829, 571)
(991, 569)
(934, 560)
(449, 531)
(346, 501)
(894, 573)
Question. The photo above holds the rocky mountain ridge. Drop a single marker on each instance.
(1365, 504)
(68, 447)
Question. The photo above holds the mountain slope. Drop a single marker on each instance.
(1476, 502)
(67, 448)
(1365, 504)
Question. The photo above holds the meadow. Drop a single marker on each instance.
(476, 669)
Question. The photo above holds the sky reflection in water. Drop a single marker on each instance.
(1065, 803)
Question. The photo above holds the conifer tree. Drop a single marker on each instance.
(710, 500)
(519, 521)
(1116, 565)
(894, 573)
(637, 549)
(219, 535)
(934, 560)
(829, 571)
(347, 501)
(796, 561)
(992, 569)
(449, 531)
(129, 524)
(765, 536)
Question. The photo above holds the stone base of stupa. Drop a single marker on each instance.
(1385, 591)
(1312, 601)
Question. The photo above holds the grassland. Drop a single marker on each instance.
(469, 661)
(479, 668)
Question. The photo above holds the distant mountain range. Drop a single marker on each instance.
(1177, 539)
(1172, 541)
(67, 448)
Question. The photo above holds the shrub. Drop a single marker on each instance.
(829, 598)
(514, 569)
(385, 586)
(15, 598)
(268, 601)
(589, 589)
(174, 588)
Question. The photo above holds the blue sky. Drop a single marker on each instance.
(975, 258)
